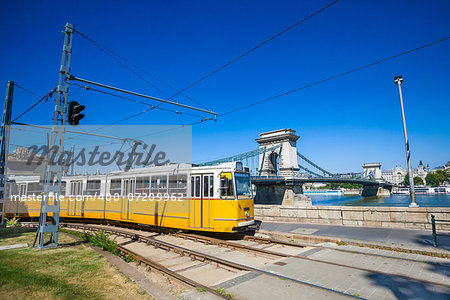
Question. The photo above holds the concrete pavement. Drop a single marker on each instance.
(417, 239)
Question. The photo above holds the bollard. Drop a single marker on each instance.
(433, 228)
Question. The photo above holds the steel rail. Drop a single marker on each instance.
(152, 264)
(281, 242)
(233, 245)
(161, 268)
(268, 241)
(201, 256)
(228, 244)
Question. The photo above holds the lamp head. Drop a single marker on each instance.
(398, 79)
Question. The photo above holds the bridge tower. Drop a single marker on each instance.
(283, 160)
(374, 169)
(284, 188)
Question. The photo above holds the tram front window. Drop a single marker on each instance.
(243, 186)
(226, 186)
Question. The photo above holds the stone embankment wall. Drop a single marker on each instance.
(388, 217)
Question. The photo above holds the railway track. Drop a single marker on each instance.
(200, 256)
(150, 263)
(302, 244)
(232, 245)
(208, 240)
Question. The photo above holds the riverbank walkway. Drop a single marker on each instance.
(402, 238)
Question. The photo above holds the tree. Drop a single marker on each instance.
(405, 181)
(418, 180)
(432, 179)
(442, 175)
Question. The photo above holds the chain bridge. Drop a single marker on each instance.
(279, 171)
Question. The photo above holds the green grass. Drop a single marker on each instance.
(224, 293)
(16, 235)
(72, 271)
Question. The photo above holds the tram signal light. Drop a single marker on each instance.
(73, 115)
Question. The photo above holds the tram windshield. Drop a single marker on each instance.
(243, 186)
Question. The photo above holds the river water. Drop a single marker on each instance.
(435, 200)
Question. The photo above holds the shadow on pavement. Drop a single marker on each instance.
(443, 240)
(408, 289)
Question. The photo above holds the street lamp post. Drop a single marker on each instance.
(398, 81)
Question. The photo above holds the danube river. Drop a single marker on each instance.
(393, 200)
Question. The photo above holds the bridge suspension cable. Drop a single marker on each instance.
(308, 170)
(240, 157)
(314, 165)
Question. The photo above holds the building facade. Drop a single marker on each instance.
(397, 175)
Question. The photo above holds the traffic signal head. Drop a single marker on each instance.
(73, 114)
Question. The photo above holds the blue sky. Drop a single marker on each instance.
(342, 123)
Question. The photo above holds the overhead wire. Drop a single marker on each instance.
(48, 95)
(106, 50)
(333, 77)
(89, 88)
(254, 48)
(111, 54)
(34, 95)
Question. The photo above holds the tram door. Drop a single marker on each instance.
(202, 192)
(76, 203)
(22, 192)
(128, 186)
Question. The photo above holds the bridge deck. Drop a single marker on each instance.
(280, 179)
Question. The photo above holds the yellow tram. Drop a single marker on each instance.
(208, 198)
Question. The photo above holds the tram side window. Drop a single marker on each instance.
(178, 184)
(159, 184)
(34, 188)
(93, 187)
(63, 187)
(205, 186)
(226, 186)
(142, 185)
(8, 189)
(211, 186)
(208, 186)
(14, 189)
(197, 186)
(115, 186)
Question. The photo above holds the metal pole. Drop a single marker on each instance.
(53, 173)
(398, 80)
(433, 228)
(4, 146)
